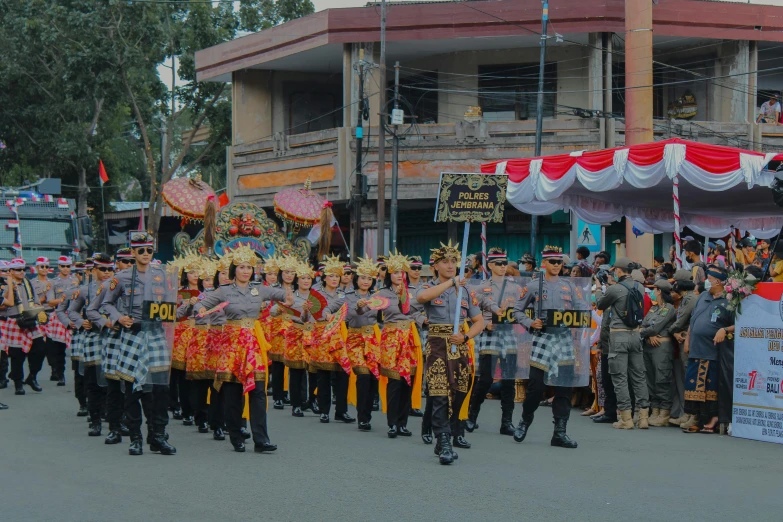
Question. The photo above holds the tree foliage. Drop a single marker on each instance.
(80, 81)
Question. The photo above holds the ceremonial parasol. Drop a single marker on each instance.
(187, 196)
(299, 207)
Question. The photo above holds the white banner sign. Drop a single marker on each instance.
(758, 367)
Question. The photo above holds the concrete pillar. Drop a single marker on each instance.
(349, 79)
(607, 86)
(595, 63)
(754, 134)
(252, 105)
(740, 66)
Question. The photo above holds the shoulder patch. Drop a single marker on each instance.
(75, 295)
(113, 284)
(98, 292)
(48, 286)
(473, 298)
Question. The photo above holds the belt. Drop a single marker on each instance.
(305, 327)
(441, 330)
(364, 330)
(247, 322)
(135, 328)
(624, 330)
(201, 326)
(397, 325)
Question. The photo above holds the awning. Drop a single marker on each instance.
(715, 187)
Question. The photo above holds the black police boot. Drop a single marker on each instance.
(325, 418)
(95, 427)
(470, 422)
(245, 433)
(82, 411)
(392, 432)
(506, 424)
(113, 437)
(460, 442)
(415, 412)
(218, 434)
(124, 430)
(136, 445)
(365, 426)
(159, 444)
(187, 421)
(266, 447)
(61, 379)
(521, 432)
(559, 437)
(18, 388)
(446, 454)
(297, 412)
(344, 417)
(605, 419)
(32, 382)
(3, 384)
(239, 445)
(176, 412)
(376, 406)
(203, 428)
(278, 405)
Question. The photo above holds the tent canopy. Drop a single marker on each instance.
(719, 187)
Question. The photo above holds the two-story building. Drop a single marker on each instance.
(296, 96)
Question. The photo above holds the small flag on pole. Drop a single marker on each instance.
(62, 203)
(17, 246)
(223, 199)
(48, 198)
(35, 199)
(19, 201)
(12, 223)
(102, 172)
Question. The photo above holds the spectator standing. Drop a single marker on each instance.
(770, 111)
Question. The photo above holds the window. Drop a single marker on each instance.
(311, 111)
(510, 92)
(421, 92)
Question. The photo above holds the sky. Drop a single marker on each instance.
(320, 5)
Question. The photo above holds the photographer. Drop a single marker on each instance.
(604, 278)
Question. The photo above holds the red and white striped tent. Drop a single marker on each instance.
(661, 187)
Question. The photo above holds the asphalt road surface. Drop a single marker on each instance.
(50, 470)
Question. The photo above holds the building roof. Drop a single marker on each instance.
(416, 22)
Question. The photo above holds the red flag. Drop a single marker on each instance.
(223, 199)
(102, 172)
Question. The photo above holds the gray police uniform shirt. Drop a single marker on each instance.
(359, 317)
(93, 311)
(557, 294)
(80, 299)
(493, 292)
(334, 299)
(657, 320)
(244, 302)
(41, 289)
(62, 287)
(615, 298)
(23, 297)
(417, 308)
(442, 309)
(119, 289)
(710, 315)
(393, 312)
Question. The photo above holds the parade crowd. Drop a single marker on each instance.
(378, 335)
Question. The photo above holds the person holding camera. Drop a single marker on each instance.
(625, 302)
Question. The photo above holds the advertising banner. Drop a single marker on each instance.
(758, 366)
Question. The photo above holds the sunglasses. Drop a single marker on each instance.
(43, 267)
(130, 261)
(501, 263)
(145, 250)
(105, 269)
(555, 261)
(65, 266)
(17, 269)
(417, 268)
(347, 273)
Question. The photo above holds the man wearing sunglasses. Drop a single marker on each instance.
(552, 354)
(346, 281)
(415, 285)
(23, 344)
(143, 352)
(3, 317)
(88, 337)
(497, 341)
(41, 285)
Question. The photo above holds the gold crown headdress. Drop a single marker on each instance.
(367, 267)
(397, 262)
(447, 251)
(191, 261)
(288, 263)
(224, 261)
(552, 251)
(207, 269)
(271, 265)
(304, 270)
(333, 266)
(244, 255)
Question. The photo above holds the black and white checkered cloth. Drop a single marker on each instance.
(497, 341)
(91, 347)
(77, 346)
(551, 349)
(110, 352)
(144, 356)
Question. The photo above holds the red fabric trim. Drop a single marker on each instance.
(714, 159)
(647, 154)
(769, 291)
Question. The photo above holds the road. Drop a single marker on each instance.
(51, 470)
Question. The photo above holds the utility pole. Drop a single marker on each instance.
(395, 153)
(539, 114)
(382, 138)
(358, 189)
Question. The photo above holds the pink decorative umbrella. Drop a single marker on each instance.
(187, 196)
(299, 207)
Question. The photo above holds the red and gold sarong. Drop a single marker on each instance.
(364, 349)
(183, 333)
(242, 356)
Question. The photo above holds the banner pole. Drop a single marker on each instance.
(457, 317)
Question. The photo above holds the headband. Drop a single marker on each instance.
(717, 275)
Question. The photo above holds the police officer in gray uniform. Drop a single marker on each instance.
(658, 353)
(626, 360)
(59, 290)
(129, 285)
(683, 289)
(415, 284)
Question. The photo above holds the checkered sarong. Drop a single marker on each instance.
(77, 346)
(497, 341)
(56, 331)
(142, 354)
(110, 352)
(92, 346)
(551, 350)
(15, 337)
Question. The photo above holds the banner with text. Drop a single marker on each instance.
(758, 366)
(471, 198)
